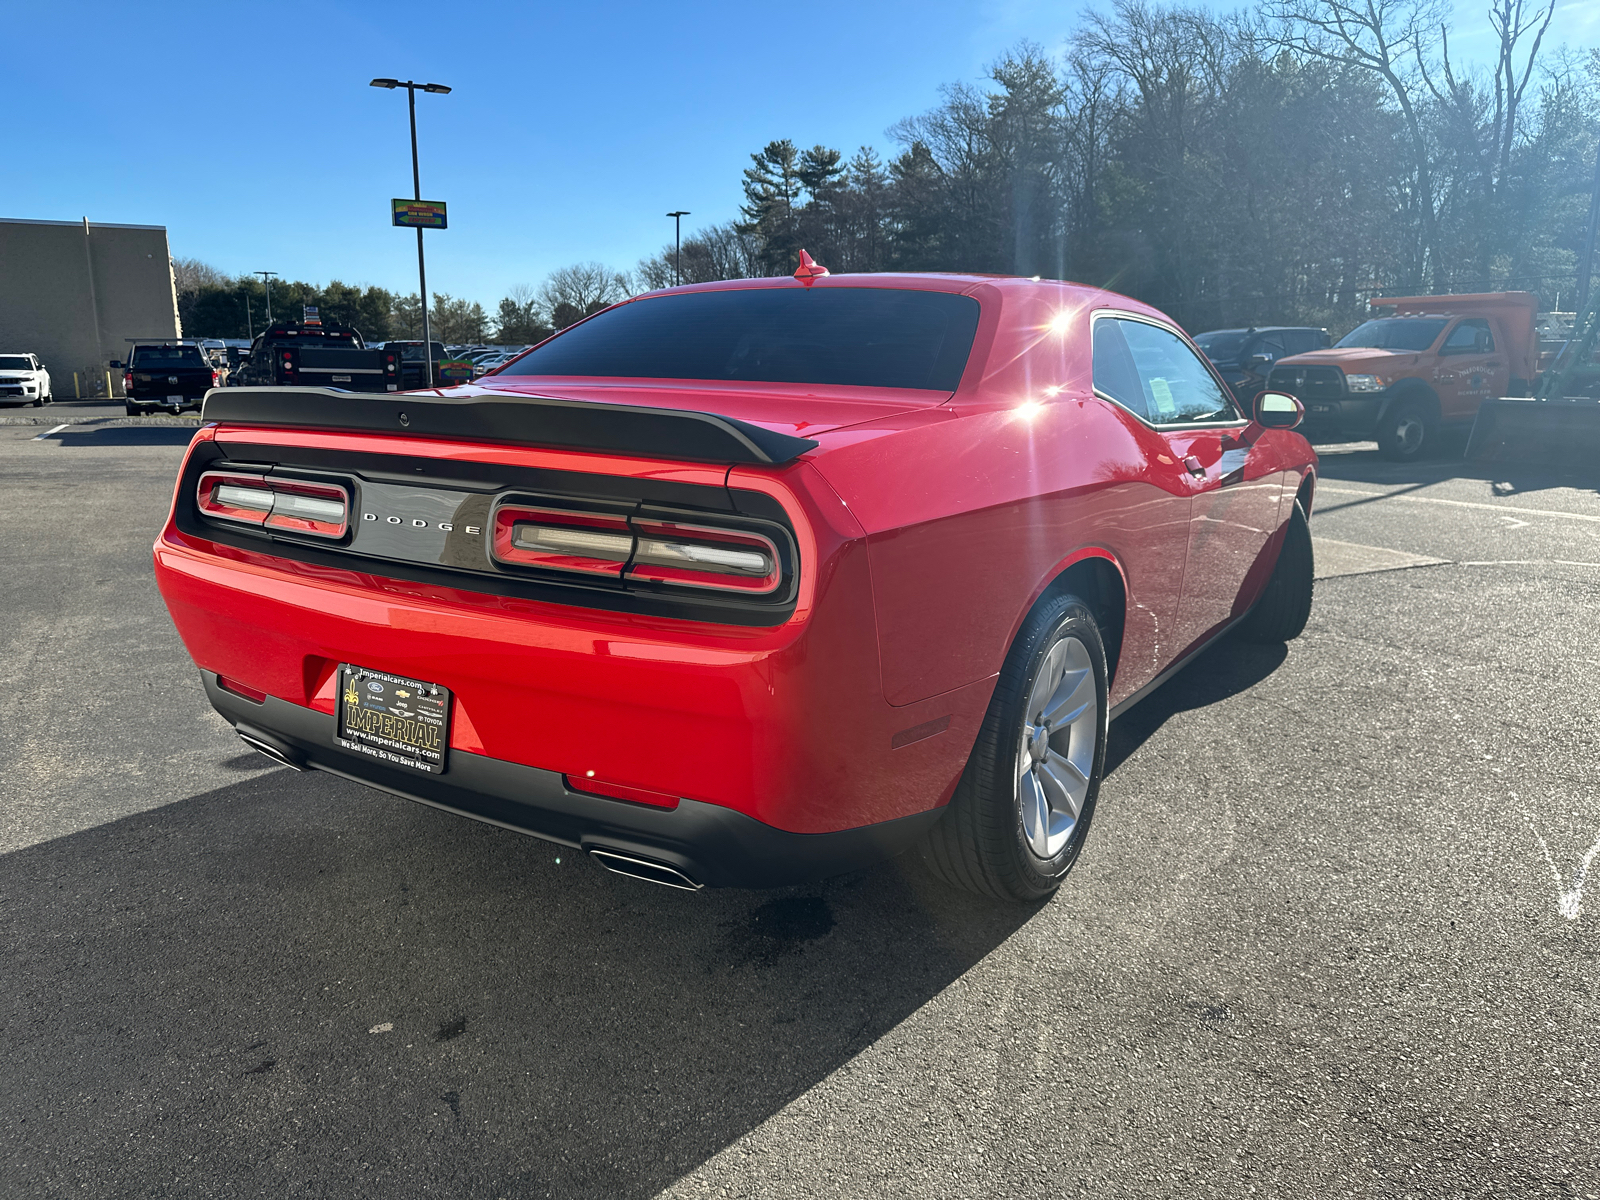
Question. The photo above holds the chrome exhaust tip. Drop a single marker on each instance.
(645, 869)
(267, 748)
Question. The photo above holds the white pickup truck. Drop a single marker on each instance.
(24, 380)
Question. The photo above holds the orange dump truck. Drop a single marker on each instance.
(1419, 364)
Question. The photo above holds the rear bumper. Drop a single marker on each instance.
(713, 846)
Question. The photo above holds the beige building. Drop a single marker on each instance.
(73, 292)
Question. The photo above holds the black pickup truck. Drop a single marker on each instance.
(171, 375)
(301, 354)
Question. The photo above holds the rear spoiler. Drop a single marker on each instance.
(523, 420)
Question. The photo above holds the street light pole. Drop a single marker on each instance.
(411, 87)
(267, 277)
(677, 245)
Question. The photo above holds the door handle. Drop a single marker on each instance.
(1192, 464)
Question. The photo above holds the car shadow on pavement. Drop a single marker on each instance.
(294, 985)
(77, 436)
(1231, 666)
(1527, 468)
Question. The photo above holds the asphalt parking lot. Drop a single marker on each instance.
(1334, 932)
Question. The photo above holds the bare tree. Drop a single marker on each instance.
(571, 293)
(190, 275)
(1389, 39)
(727, 251)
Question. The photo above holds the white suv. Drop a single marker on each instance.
(23, 379)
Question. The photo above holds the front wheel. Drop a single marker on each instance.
(1022, 809)
(1407, 432)
(38, 401)
(1285, 604)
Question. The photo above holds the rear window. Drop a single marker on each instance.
(168, 356)
(863, 337)
(335, 341)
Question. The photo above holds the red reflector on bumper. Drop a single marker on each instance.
(617, 791)
(239, 689)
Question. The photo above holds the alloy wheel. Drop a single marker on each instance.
(1055, 753)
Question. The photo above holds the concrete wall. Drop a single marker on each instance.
(72, 292)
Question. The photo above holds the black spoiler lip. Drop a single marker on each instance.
(504, 417)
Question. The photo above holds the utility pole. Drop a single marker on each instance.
(411, 88)
(267, 277)
(677, 245)
(249, 321)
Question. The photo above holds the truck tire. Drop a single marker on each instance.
(1408, 430)
(1013, 829)
(135, 410)
(1285, 604)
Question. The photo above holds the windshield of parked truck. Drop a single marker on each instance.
(168, 356)
(1396, 333)
(14, 362)
(1222, 346)
(862, 337)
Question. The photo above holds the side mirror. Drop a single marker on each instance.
(117, 363)
(1278, 410)
(1260, 359)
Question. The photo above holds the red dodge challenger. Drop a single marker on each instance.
(752, 582)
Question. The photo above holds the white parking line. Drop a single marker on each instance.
(1499, 508)
(48, 432)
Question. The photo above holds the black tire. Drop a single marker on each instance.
(1408, 431)
(135, 410)
(1285, 605)
(38, 401)
(981, 844)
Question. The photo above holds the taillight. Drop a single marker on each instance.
(701, 556)
(216, 379)
(127, 382)
(646, 549)
(594, 543)
(293, 505)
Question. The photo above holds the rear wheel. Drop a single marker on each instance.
(1022, 809)
(1285, 606)
(135, 410)
(1407, 431)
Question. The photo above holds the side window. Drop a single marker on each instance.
(1471, 336)
(1115, 376)
(1301, 340)
(1174, 384)
(1269, 344)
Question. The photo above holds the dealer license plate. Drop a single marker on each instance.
(341, 379)
(401, 721)
(175, 400)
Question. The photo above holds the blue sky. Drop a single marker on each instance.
(251, 133)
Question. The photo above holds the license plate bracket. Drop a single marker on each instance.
(393, 718)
